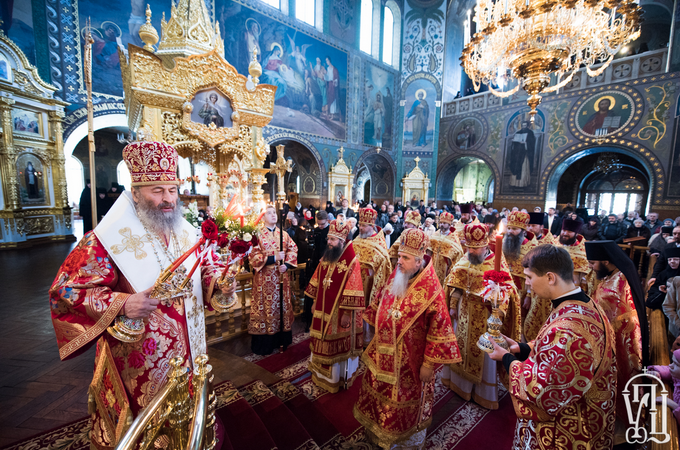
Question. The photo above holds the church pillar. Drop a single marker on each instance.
(58, 161)
(8, 156)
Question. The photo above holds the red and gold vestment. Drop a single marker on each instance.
(515, 264)
(375, 264)
(265, 309)
(473, 313)
(409, 332)
(109, 264)
(564, 392)
(577, 251)
(446, 251)
(336, 288)
(540, 307)
(613, 295)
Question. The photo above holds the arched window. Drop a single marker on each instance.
(618, 191)
(305, 10)
(123, 175)
(76, 179)
(391, 45)
(366, 26)
(388, 36)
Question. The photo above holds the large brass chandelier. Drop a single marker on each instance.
(530, 40)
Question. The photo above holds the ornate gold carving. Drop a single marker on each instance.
(147, 33)
(25, 84)
(38, 225)
(210, 134)
(188, 31)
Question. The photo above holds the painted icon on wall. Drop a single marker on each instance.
(419, 117)
(468, 133)
(27, 122)
(31, 175)
(605, 113)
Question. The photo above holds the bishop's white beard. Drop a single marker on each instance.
(366, 235)
(400, 282)
(156, 220)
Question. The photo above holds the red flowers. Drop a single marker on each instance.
(239, 247)
(209, 229)
(223, 240)
(496, 276)
(254, 241)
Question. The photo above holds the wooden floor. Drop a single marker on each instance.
(38, 391)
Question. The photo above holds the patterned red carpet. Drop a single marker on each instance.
(295, 414)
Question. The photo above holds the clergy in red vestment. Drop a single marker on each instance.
(371, 249)
(337, 326)
(412, 220)
(474, 378)
(620, 296)
(563, 384)
(538, 308)
(575, 244)
(413, 334)
(111, 273)
(271, 320)
(516, 243)
(445, 247)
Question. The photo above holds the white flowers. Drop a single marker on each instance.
(247, 237)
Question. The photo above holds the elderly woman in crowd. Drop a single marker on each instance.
(639, 230)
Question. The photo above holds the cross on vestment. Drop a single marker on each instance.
(327, 282)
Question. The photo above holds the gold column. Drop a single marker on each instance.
(8, 156)
(257, 177)
(58, 161)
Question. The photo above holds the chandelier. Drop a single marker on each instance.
(607, 162)
(530, 40)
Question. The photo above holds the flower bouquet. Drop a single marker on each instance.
(238, 234)
(497, 292)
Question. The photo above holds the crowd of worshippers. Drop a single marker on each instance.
(393, 256)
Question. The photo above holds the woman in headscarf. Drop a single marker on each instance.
(590, 229)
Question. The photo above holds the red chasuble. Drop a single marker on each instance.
(409, 333)
(375, 263)
(614, 297)
(564, 393)
(446, 251)
(336, 287)
(265, 309)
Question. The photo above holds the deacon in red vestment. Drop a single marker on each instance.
(371, 249)
(539, 308)
(474, 378)
(413, 335)
(563, 384)
(111, 273)
(337, 326)
(620, 296)
(271, 322)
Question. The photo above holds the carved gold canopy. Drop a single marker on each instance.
(167, 89)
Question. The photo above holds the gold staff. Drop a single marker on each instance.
(90, 119)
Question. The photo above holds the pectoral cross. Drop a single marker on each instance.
(327, 282)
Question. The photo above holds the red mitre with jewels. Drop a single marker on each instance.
(415, 242)
(518, 219)
(476, 235)
(151, 163)
(367, 216)
(413, 217)
(339, 229)
(446, 218)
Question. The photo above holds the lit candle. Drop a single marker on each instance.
(259, 218)
(190, 274)
(499, 252)
(506, 6)
(182, 258)
(240, 218)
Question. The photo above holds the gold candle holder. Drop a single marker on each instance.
(220, 302)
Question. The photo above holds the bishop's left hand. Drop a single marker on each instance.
(498, 352)
(229, 289)
(426, 373)
(345, 320)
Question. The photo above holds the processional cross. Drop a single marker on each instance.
(280, 167)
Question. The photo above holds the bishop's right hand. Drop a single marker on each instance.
(140, 305)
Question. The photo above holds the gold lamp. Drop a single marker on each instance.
(530, 40)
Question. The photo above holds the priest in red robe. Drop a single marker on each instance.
(337, 325)
(111, 273)
(271, 318)
(474, 378)
(413, 335)
(563, 384)
(621, 297)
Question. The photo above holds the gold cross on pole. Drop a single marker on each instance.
(280, 167)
